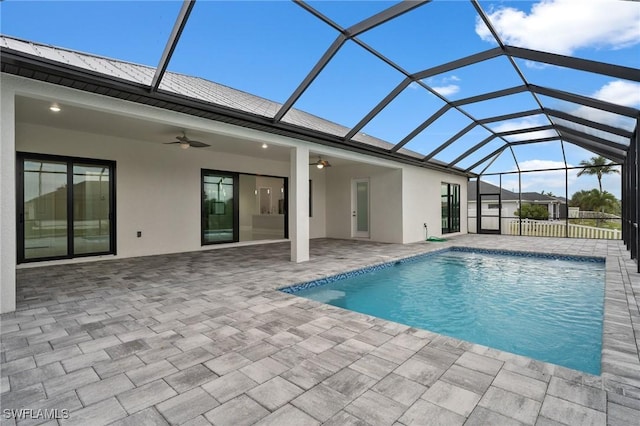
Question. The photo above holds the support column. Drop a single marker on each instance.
(7, 201)
(299, 204)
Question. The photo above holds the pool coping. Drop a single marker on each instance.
(294, 288)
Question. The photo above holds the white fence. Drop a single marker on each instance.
(544, 228)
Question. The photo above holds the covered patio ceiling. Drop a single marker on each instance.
(439, 84)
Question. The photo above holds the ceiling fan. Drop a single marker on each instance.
(321, 164)
(185, 142)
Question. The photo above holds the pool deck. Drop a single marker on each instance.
(204, 338)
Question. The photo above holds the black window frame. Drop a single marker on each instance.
(236, 203)
(453, 222)
(21, 157)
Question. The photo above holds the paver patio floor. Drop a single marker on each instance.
(203, 338)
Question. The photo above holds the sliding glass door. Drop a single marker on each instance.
(65, 207)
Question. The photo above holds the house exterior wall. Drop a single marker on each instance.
(318, 220)
(157, 186)
(7, 198)
(421, 203)
(385, 201)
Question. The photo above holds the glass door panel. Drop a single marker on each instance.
(455, 208)
(218, 209)
(45, 209)
(91, 200)
(444, 205)
(360, 203)
(363, 206)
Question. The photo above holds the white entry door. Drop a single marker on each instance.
(360, 208)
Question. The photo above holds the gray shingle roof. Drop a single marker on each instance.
(487, 188)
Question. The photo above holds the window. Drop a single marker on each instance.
(310, 198)
(450, 200)
(494, 206)
(242, 207)
(219, 207)
(66, 207)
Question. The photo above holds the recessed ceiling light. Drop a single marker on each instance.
(54, 107)
(265, 146)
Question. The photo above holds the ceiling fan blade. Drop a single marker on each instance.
(197, 144)
(168, 143)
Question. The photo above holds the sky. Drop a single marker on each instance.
(267, 48)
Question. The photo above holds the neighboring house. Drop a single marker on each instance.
(497, 202)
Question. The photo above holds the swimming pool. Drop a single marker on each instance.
(545, 307)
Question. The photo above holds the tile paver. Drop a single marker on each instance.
(275, 393)
(146, 396)
(375, 408)
(101, 413)
(229, 386)
(569, 412)
(288, 415)
(239, 411)
(523, 385)
(321, 402)
(400, 389)
(176, 339)
(425, 413)
(510, 404)
(453, 398)
(187, 405)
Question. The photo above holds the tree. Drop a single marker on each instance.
(533, 211)
(596, 201)
(598, 166)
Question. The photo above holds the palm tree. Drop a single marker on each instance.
(598, 166)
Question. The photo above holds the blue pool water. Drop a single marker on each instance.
(545, 308)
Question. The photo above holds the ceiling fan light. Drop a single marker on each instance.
(54, 107)
(184, 145)
(320, 165)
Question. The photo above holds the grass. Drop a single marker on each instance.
(606, 224)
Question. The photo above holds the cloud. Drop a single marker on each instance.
(506, 126)
(552, 180)
(540, 134)
(560, 25)
(449, 89)
(541, 165)
(619, 92)
(444, 85)
(524, 124)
